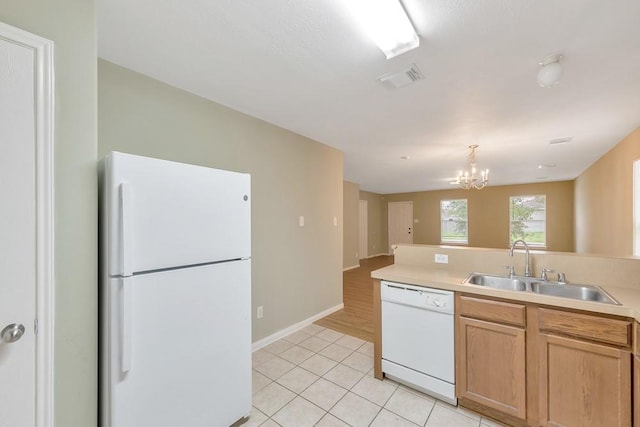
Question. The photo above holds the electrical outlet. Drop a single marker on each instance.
(357, 255)
(441, 258)
(259, 312)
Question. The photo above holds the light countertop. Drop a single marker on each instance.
(452, 281)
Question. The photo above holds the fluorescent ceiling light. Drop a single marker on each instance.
(387, 24)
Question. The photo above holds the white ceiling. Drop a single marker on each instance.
(305, 65)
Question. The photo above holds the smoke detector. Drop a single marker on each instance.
(402, 78)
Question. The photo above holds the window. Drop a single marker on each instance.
(453, 221)
(528, 219)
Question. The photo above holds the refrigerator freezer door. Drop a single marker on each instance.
(164, 214)
(190, 348)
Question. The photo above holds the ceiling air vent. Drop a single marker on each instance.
(401, 78)
(560, 140)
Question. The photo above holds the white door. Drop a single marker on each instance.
(24, 263)
(363, 250)
(400, 223)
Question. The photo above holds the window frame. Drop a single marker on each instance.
(636, 208)
(537, 245)
(466, 221)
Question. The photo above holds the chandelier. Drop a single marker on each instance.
(469, 180)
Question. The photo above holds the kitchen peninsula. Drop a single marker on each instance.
(525, 358)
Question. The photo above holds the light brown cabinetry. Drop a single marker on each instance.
(491, 358)
(583, 384)
(636, 391)
(585, 369)
(542, 366)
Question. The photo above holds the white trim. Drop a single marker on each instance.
(293, 328)
(351, 268)
(45, 276)
(636, 207)
(378, 254)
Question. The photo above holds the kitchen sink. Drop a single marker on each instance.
(497, 282)
(579, 292)
(536, 285)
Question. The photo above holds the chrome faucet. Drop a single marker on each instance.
(561, 276)
(527, 266)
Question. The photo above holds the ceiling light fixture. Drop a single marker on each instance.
(387, 24)
(468, 180)
(551, 71)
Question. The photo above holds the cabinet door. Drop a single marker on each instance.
(636, 391)
(583, 384)
(490, 365)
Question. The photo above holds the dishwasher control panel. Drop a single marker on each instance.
(417, 296)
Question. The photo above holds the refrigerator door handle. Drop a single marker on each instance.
(126, 234)
(125, 324)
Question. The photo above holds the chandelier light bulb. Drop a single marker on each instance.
(469, 180)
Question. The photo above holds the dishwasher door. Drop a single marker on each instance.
(418, 337)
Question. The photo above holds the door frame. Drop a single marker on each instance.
(389, 245)
(363, 204)
(45, 275)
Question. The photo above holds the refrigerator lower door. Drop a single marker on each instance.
(179, 348)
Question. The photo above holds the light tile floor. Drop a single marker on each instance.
(320, 377)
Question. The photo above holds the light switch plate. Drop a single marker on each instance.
(301, 221)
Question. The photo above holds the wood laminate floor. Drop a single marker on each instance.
(356, 318)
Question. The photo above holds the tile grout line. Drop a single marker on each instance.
(336, 363)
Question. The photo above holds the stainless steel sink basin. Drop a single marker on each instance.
(590, 293)
(496, 282)
(578, 292)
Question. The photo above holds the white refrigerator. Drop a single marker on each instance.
(175, 294)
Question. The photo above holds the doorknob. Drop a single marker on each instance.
(12, 333)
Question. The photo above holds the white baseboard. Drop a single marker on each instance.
(351, 268)
(294, 328)
(380, 254)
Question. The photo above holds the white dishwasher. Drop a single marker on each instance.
(418, 338)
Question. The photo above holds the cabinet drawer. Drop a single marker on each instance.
(603, 329)
(497, 311)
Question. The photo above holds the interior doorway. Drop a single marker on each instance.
(363, 248)
(26, 227)
(400, 223)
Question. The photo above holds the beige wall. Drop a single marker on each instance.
(604, 201)
(71, 25)
(351, 215)
(488, 211)
(297, 271)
